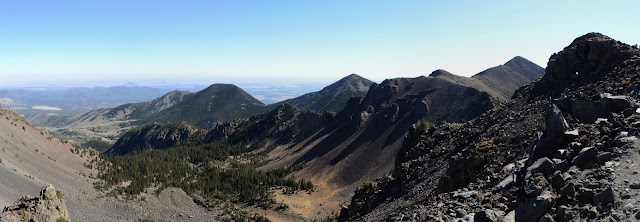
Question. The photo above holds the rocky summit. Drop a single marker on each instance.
(564, 148)
(48, 207)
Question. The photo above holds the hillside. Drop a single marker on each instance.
(107, 123)
(333, 97)
(500, 81)
(563, 149)
(161, 136)
(31, 158)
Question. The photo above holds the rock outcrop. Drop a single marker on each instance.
(48, 207)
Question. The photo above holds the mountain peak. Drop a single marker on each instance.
(440, 72)
(353, 76)
(517, 60)
(333, 97)
(586, 59)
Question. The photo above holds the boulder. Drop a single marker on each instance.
(49, 206)
(505, 184)
(488, 215)
(604, 197)
(534, 185)
(586, 158)
(586, 111)
(614, 104)
(543, 165)
(531, 209)
(553, 137)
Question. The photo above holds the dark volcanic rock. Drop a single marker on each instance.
(553, 136)
(586, 157)
(604, 197)
(488, 216)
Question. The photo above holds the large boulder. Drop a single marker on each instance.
(614, 104)
(604, 197)
(586, 158)
(531, 209)
(543, 165)
(488, 215)
(553, 137)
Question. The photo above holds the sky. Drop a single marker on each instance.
(111, 41)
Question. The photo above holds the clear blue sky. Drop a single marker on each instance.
(254, 40)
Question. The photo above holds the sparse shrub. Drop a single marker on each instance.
(60, 194)
(62, 219)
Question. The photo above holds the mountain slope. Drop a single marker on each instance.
(533, 158)
(107, 123)
(500, 81)
(161, 136)
(216, 103)
(334, 96)
(30, 158)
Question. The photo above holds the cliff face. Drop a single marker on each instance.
(49, 207)
(559, 151)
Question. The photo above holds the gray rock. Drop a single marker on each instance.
(614, 104)
(604, 157)
(586, 111)
(565, 213)
(532, 209)
(553, 136)
(465, 194)
(573, 134)
(569, 190)
(535, 185)
(510, 217)
(506, 183)
(543, 165)
(634, 185)
(48, 192)
(557, 181)
(488, 215)
(604, 197)
(562, 165)
(586, 158)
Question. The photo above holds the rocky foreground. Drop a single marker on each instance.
(49, 206)
(564, 149)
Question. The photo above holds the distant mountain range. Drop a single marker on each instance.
(206, 108)
(75, 100)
